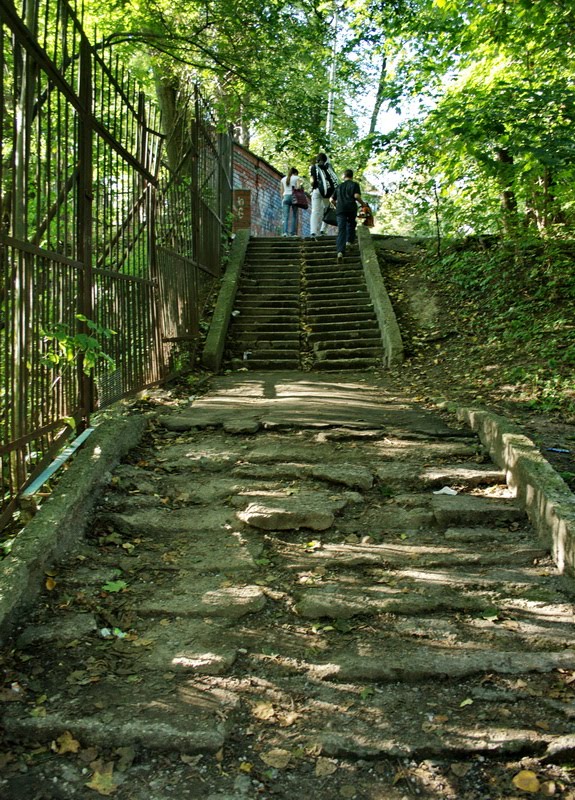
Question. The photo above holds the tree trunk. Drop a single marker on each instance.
(507, 194)
(175, 119)
(379, 98)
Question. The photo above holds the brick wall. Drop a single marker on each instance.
(257, 199)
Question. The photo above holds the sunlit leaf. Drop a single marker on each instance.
(527, 781)
(277, 757)
(102, 780)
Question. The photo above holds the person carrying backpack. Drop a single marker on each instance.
(323, 183)
(345, 199)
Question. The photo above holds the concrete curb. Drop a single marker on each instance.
(61, 521)
(548, 501)
(390, 334)
(215, 340)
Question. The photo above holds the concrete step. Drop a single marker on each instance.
(345, 339)
(272, 567)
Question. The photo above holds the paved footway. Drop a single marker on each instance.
(298, 586)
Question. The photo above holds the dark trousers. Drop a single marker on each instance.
(346, 225)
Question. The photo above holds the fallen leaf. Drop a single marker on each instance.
(50, 584)
(287, 719)
(543, 724)
(277, 757)
(324, 767)
(65, 744)
(467, 702)
(102, 780)
(263, 710)
(527, 781)
(245, 766)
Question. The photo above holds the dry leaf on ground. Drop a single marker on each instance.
(277, 758)
(527, 781)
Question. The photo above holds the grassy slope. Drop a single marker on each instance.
(494, 328)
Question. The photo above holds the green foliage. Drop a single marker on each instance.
(65, 348)
(517, 299)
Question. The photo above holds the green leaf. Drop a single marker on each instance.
(114, 586)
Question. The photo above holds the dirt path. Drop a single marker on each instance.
(278, 599)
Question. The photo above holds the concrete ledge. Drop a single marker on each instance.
(216, 338)
(61, 521)
(548, 501)
(389, 329)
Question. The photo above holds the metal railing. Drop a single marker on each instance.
(96, 234)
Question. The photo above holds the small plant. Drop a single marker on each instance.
(65, 348)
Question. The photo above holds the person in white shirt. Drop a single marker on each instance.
(287, 183)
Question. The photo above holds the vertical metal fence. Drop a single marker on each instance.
(96, 234)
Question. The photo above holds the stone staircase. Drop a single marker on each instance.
(275, 600)
(341, 327)
(298, 308)
(265, 334)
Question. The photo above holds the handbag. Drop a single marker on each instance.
(298, 198)
(329, 216)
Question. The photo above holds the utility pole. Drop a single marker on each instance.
(332, 76)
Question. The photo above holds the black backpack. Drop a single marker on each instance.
(326, 179)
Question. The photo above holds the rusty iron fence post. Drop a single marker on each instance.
(86, 400)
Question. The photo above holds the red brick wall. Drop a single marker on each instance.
(261, 211)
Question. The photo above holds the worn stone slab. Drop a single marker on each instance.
(208, 458)
(424, 663)
(401, 449)
(169, 522)
(402, 556)
(191, 646)
(352, 476)
(290, 513)
(241, 426)
(189, 720)
(203, 598)
(393, 519)
(206, 490)
(504, 634)
(341, 603)
(465, 510)
(73, 626)
(479, 535)
(467, 475)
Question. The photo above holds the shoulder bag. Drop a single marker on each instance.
(298, 198)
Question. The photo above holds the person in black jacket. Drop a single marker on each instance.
(345, 198)
(323, 183)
